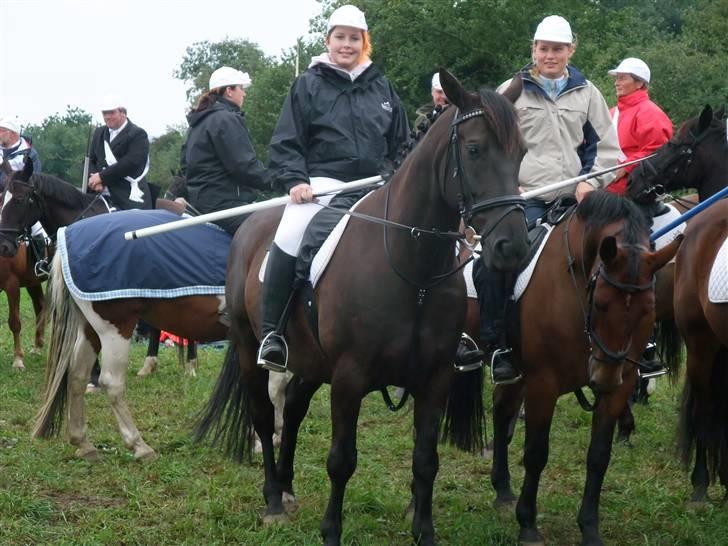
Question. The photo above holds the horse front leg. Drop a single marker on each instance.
(541, 396)
(604, 420)
(346, 396)
(13, 294)
(297, 399)
(191, 363)
(507, 400)
(429, 407)
(151, 361)
(79, 371)
(36, 296)
(114, 364)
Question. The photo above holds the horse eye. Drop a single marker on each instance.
(473, 150)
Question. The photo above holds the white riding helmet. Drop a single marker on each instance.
(554, 28)
(110, 102)
(347, 16)
(10, 124)
(225, 76)
(633, 65)
(436, 81)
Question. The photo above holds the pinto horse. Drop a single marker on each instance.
(697, 157)
(54, 203)
(584, 320)
(390, 305)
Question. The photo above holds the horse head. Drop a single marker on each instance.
(19, 211)
(682, 162)
(486, 150)
(620, 310)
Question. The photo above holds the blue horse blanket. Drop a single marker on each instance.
(99, 264)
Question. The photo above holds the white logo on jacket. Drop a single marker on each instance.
(386, 106)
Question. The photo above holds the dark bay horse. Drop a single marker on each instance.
(16, 272)
(390, 306)
(584, 320)
(82, 329)
(697, 157)
(55, 203)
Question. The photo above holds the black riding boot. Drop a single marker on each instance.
(275, 297)
(649, 364)
(494, 288)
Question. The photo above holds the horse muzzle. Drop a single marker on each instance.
(604, 376)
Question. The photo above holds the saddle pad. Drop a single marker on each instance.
(323, 256)
(658, 222)
(98, 264)
(718, 282)
(523, 278)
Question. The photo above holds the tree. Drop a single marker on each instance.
(61, 141)
(164, 152)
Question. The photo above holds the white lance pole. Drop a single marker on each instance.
(564, 183)
(243, 209)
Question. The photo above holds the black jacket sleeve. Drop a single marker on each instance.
(289, 144)
(94, 163)
(132, 163)
(236, 153)
(399, 130)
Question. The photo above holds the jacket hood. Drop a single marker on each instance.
(221, 104)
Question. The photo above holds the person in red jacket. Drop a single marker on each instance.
(641, 125)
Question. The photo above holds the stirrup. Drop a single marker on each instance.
(649, 375)
(269, 364)
(497, 353)
(470, 343)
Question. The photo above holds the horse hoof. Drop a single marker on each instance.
(290, 505)
(190, 371)
(89, 454)
(36, 350)
(505, 503)
(150, 365)
(18, 365)
(145, 455)
(276, 519)
(697, 505)
(531, 537)
(486, 454)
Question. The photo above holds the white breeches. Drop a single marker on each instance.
(296, 217)
(37, 229)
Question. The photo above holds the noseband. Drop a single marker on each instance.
(614, 357)
(30, 201)
(467, 207)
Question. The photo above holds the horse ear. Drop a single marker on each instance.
(608, 249)
(454, 91)
(27, 168)
(666, 253)
(706, 116)
(514, 90)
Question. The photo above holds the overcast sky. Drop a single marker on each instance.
(55, 53)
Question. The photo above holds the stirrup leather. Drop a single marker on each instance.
(473, 346)
(267, 364)
(497, 353)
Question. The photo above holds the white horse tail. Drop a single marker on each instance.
(66, 319)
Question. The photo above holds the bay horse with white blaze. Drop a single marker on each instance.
(697, 157)
(583, 320)
(390, 306)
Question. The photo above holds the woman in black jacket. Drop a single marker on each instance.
(217, 157)
(341, 122)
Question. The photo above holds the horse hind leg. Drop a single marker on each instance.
(39, 308)
(84, 356)
(13, 294)
(191, 363)
(151, 361)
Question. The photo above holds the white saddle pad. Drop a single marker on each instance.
(522, 280)
(323, 256)
(718, 282)
(658, 222)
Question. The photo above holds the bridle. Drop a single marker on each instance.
(614, 357)
(611, 357)
(30, 203)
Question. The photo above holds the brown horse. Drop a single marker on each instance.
(390, 306)
(81, 329)
(583, 320)
(696, 158)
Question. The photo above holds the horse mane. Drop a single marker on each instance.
(601, 208)
(501, 116)
(54, 188)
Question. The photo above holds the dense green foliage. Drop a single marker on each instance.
(482, 41)
(192, 495)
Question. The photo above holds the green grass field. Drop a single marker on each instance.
(193, 495)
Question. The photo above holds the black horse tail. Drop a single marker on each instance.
(670, 345)
(712, 427)
(227, 414)
(464, 423)
(66, 320)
